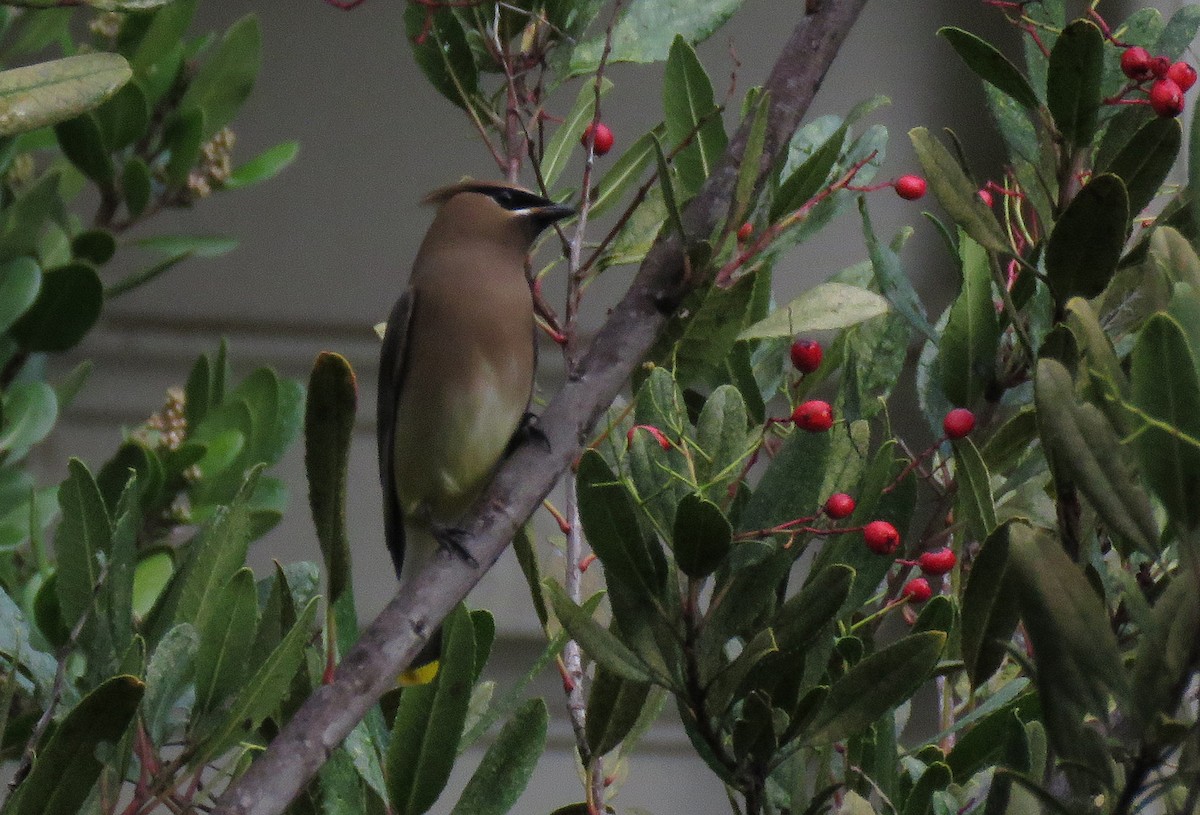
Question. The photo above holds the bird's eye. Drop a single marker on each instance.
(504, 198)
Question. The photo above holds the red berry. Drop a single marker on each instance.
(910, 187)
(745, 231)
(604, 138)
(1159, 66)
(1183, 75)
(1135, 63)
(917, 590)
(815, 416)
(881, 537)
(658, 435)
(958, 423)
(937, 562)
(1166, 98)
(839, 505)
(806, 355)
(986, 198)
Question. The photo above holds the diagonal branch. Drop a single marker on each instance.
(401, 629)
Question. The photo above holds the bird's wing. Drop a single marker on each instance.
(392, 359)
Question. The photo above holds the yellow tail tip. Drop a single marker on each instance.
(418, 676)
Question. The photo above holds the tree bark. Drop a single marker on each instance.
(397, 635)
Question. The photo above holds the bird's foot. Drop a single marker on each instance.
(450, 539)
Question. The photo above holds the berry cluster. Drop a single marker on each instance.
(1168, 80)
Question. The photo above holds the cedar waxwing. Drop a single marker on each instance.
(456, 369)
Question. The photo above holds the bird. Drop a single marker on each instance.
(456, 368)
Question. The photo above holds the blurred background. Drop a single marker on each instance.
(325, 248)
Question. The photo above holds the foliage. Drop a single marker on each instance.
(146, 663)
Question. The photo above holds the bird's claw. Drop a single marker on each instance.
(528, 429)
(450, 539)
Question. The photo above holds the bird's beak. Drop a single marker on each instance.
(548, 213)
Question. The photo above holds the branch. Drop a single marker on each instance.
(401, 629)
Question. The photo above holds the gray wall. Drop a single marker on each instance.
(324, 251)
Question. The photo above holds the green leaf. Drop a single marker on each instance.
(328, 426)
(50, 92)
(749, 169)
(824, 307)
(1179, 33)
(508, 764)
(205, 246)
(710, 332)
(613, 707)
(1103, 371)
(967, 349)
(721, 437)
(183, 138)
(1078, 661)
(29, 412)
(990, 65)
(168, 677)
(1143, 163)
(1084, 446)
(875, 685)
(124, 118)
(989, 609)
(1172, 253)
(566, 137)
(890, 277)
(626, 172)
(225, 642)
(804, 616)
(647, 29)
(429, 723)
(957, 193)
(790, 487)
(66, 308)
(1073, 84)
(690, 113)
(600, 644)
(20, 280)
(225, 80)
(702, 536)
(67, 767)
(96, 246)
(150, 578)
(84, 532)
(263, 691)
(809, 178)
(974, 489)
(666, 185)
(135, 185)
(83, 144)
(937, 776)
(264, 166)
(1163, 655)
(157, 53)
(1171, 463)
(23, 221)
(442, 52)
(1087, 239)
(15, 644)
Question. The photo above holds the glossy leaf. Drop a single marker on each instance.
(957, 193)
(1143, 164)
(647, 28)
(1087, 239)
(613, 707)
(702, 352)
(702, 536)
(722, 436)
(989, 609)
(892, 281)
(82, 143)
(740, 207)
(328, 426)
(66, 308)
(50, 92)
(183, 137)
(600, 644)
(566, 137)
(1179, 32)
(1073, 85)
(124, 118)
(30, 410)
(429, 723)
(225, 642)
(266, 165)
(508, 764)
(690, 113)
(168, 677)
(224, 81)
(967, 349)
(626, 172)
(1104, 374)
(67, 767)
(990, 65)
(875, 685)
(85, 532)
(1162, 658)
(1085, 447)
(802, 618)
(20, 280)
(937, 776)
(823, 307)
(809, 178)
(96, 246)
(974, 489)
(442, 52)
(150, 578)
(1171, 462)
(16, 645)
(135, 185)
